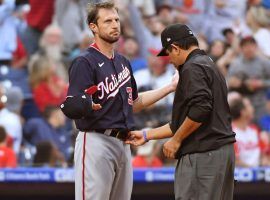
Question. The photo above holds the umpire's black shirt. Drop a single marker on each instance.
(201, 95)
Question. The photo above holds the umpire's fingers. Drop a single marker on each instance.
(165, 152)
(171, 155)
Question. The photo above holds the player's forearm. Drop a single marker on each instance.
(159, 133)
(186, 129)
(148, 98)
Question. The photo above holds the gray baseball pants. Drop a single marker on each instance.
(103, 169)
(206, 176)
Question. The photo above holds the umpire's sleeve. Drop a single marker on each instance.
(196, 83)
(78, 104)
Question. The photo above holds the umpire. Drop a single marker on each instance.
(200, 132)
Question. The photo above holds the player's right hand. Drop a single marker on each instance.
(135, 138)
(96, 106)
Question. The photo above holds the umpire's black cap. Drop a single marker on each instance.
(77, 107)
(173, 33)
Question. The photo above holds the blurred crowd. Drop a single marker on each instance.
(39, 40)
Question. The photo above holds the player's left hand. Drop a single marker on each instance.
(170, 148)
(174, 81)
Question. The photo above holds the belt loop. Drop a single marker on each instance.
(108, 132)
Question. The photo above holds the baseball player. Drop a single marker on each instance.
(102, 96)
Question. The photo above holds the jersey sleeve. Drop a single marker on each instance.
(78, 104)
(81, 76)
(133, 84)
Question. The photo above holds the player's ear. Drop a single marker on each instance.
(93, 27)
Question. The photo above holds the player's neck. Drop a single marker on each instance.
(105, 47)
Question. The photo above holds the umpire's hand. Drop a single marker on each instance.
(171, 147)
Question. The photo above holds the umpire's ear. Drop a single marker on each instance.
(77, 107)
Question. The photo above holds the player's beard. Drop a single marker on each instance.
(109, 39)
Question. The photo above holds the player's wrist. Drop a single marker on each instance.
(144, 133)
(171, 88)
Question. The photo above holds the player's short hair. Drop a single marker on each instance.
(185, 43)
(92, 10)
(3, 134)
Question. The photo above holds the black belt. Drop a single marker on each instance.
(121, 134)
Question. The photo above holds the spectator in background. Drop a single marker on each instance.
(253, 3)
(132, 52)
(147, 7)
(147, 156)
(8, 32)
(7, 155)
(231, 50)
(51, 46)
(11, 122)
(233, 96)
(48, 88)
(166, 13)
(222, 14)
(14, 100)
(249, 74)
(47, 155)
(155, 76)
(203, 44)
(147, 29)
(258, 19)
(249, 148)
(38, 18)
(193, 13)
(265, 120)
(70, 15)
(217, 49)
(19, 59)
(230, 37)
(50, 128)
(84, 44)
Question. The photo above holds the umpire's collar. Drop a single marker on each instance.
(193, 53)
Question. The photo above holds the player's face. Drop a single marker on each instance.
(108, 25)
